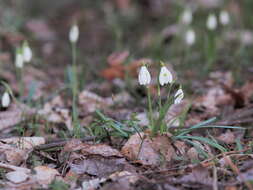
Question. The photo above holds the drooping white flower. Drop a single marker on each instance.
(144, 76)
(178, 96)
(19, 60)
(190, 37)
(27, 52)
(74, 34)
(224, 17)
(186, 17)
(211, 23)
(165, 76)
(6, 100)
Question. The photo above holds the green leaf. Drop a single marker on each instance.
(204, 140)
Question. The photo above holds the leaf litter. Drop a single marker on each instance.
(108, 162)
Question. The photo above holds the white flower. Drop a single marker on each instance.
(186, 17)
(27, 53)
(178, 96)
(144, 76)
(74, 34)
(6, 100)
(19, 61)
(211, 23)
(224, 17)
(165, 76)
(190, 37)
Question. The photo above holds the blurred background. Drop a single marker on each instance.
(150, 29)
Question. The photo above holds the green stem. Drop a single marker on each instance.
(20, 81)
(74, 92)
(151, 120)
(159, 96)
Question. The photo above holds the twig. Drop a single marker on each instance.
(14, 168)
(59, 143)
(215, 185)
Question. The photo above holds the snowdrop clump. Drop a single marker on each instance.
(211, 23)
(190, 37)
(19, 60)
(74, 33)
(186, 17)
(6, 100)
(144, 76)
(158, 124)
(224, 18)
(27, 53)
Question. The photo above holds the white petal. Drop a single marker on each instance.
(190, 37)
(179, 95)
(186, 17)
(144, 76)
(211, 22)
(165, 76)
(19, 62)
(74, 34)
(27, 54)
(224, 17)
(6, 100)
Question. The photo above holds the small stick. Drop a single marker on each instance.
(14, 168)
(59, 143)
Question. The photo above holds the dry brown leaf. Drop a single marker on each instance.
(98, 160)
(98, 166)
(227, 137)
(117, 58)
(45, 175)
(55, 112)
(90, 102)
(147, 151)
(24, 142)
(14, 114)
(199, 177)
(100, 149)
(12, 155)
(16, 176)
(247, 91)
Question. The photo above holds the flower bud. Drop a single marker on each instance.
(27, 52)
(186, 17)
(224, 17)
(74, 34)
(211, 23)
(165, 76)
(6, 100)
(178, 96)
(190, 37)
(19, 60)
(144, 76)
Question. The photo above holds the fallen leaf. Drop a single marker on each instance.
(45, 175)
(100, 149)
(90, 102)
(14, 115)
(198, 178)
(98, 166)
(25, 142)
(146, 151)
(16, 176)
(12, 155)
(227, 137)
(92, 184)
(117, 58)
